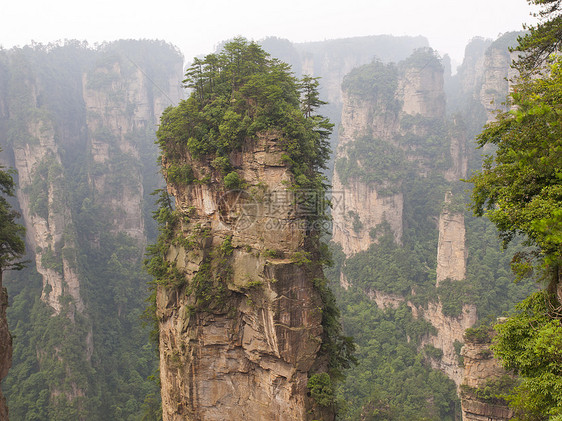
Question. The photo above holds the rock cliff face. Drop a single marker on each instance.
(79, 141)
(402, 123)
(372, 209)
(449, 330)
(122, 106)
(451, 248)
(5, 347)
(332, 60)
(46, 213)
(486, 74)
(248, 352)
(421, 91)
(496, 78)
(481, 370)
(418, 95)
(117, 112)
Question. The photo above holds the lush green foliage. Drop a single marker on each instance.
(321, 389)
(422, 145)
(396, 269)
(374, 82)
(530, 344)
(520, 189)
(338, 347)
(393, 380)
(239, 93)
(12, 245)
(520, 186)
(542, 39)
(480, 335)
(413, 164)
(372, 161)
(493, 391)
(422, 58)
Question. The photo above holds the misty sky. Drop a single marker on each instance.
(196, 27)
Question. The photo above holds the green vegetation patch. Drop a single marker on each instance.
(238, 94)
(376, 82)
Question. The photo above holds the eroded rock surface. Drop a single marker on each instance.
(247, 352)
(481, 368)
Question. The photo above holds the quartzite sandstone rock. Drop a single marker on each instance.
(480, 367)
(249, 352)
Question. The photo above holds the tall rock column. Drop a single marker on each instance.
(483, 379)
(244, 348)
(80, 126)
(399, 152)
(247, 326)
(361, 206)
(123, 104)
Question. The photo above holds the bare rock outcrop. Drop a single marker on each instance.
(449, 330)
(246, 351)
(486, 73)
(481, 370)
(418, 93)
(371, 208)
(496, 79)
(451, 248)
(85, 129)
(119, 115)
(45, 210)
(402, 123)
(421, 91)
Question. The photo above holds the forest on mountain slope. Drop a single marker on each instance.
(393, 379)
(96, 363)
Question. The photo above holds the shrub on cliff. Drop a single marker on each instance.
(237, 94)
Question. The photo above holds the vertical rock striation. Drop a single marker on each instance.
(80, 128)
(250, 355)
(394, 138)
(123, 104)
(483, 379)
(46, 212)
(247, 328)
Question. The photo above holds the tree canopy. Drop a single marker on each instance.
(238, 93)
(12, 245)
(520, 189)
(542, 39)
(520, 185)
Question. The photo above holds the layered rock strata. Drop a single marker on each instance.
(246, 351)
(94, 129)
(481, 369)
(415, 111)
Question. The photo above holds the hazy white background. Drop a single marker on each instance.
(196, 27)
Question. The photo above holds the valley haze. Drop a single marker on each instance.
(198, 27)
